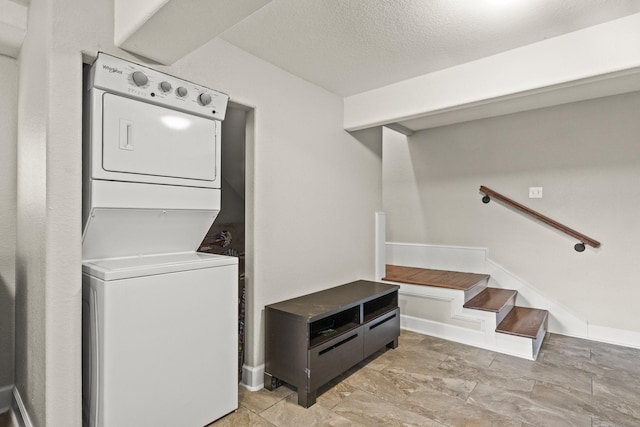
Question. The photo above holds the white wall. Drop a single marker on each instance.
(8, 139)
(31, 231)
(586, 156)
(315, 187)
(313, 190)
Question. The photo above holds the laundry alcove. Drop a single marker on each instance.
(227, 235)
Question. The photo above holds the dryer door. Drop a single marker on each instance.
(144, 139)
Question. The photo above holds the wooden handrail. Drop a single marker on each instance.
(555, 224)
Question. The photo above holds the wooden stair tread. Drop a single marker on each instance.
(491, 299)
(436, 278)
(523, 321)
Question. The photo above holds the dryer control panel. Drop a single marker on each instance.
(137, 81)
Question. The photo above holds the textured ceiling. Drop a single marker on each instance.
(351, 46)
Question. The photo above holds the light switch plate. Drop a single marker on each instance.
(535, 192)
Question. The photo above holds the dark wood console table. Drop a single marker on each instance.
(314, 338)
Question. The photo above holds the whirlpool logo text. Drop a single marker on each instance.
(112, 69)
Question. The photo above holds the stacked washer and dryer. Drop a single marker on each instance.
(159, 318)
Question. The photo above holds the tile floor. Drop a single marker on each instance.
(427, 381)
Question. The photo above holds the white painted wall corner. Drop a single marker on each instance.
(381, 238)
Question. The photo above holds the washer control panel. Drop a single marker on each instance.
(137, 81)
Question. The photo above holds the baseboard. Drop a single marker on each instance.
(442, 330)
(614, 336)
(252, 377)
(19, 414)
(5, 398)
(488, 340)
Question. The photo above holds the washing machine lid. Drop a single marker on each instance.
(150, 265)
(125, 219)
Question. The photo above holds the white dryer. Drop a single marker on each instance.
(151, 160)
(159, 319)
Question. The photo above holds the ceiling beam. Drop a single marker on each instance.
(593, 62)
(13, 27)
(399, 128)
(166, 30)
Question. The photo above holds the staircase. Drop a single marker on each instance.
(526, 326)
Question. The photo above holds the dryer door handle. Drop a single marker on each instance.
(126, 135)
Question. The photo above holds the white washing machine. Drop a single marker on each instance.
(161, 339)
(159, 319)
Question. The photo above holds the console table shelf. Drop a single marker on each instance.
(314, 338)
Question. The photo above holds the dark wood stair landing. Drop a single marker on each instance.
(437, 278)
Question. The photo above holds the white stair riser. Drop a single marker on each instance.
(486, 337)
(475, 290)
(506, 309)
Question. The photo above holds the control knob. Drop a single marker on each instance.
(139, 78)
(181, 92)
(165, 87)
(204, 99)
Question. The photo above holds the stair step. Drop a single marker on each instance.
(492, 299)
(437, 278)
(524, 322)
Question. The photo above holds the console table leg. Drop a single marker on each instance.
(306, 399)
(270, 382)
(393, 344)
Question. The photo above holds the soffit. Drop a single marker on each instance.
(352, 46)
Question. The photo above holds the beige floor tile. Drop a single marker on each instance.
(505, 380)
(464, 353)
(412, 360)
(331, 396)
(615, 411)
(363, 408)
(518, 407)
(574, 361)
(439, 381)
(258, 401)
(566, 347)
(556, 340)
(386, 386)
(618, 386)
(242, 418)
(453, 411)
(564, 376)
(618, 358)
(408, 338)
(376, 361)
(287, 413)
